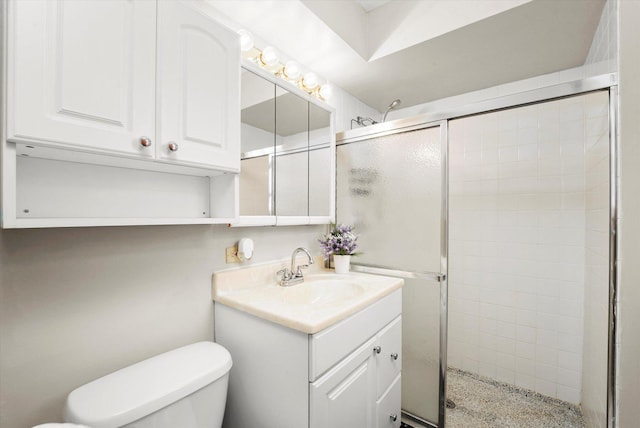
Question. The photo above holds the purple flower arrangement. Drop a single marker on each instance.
(340, 241)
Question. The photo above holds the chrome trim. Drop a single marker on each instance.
(388, 131)
(603, 81)
(418, 419)
(379, 270)
(444, 285)
(613, 258)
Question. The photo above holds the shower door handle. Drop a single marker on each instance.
(379, 270)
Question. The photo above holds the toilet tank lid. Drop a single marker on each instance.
(136, 391)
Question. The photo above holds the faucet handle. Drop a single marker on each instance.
(299, 270)
(284, 274)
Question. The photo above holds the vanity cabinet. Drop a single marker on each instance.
(88, 76)
(347, 375)
(362, 390)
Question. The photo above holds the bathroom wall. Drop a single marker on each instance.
(517, 236)
(78, 303)
(603, 54)
(628, 369)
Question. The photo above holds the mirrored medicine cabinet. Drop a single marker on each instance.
(288, 154)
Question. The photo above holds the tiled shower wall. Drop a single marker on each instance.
(603, 53)
(517, 245)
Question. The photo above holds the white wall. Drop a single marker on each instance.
(517, 235)
(628, 375)
(603, 55)
(76, 304)
(79, 303)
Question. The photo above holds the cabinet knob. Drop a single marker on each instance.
(393, 417)
(173, 147)
(377, 349)
(394, 356)
(145, 141)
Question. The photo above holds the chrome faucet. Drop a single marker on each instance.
(294, 276)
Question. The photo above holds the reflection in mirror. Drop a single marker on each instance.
(292, 159)
(319, 161)
(257, 145)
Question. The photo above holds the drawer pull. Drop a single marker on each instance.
(394, 356)
(393, 417)
(173, 147)
(377, 349)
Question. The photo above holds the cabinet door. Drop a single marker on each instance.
(82, 74)
(388, 411)
(389, 359)
(198, 89)
(345, 396)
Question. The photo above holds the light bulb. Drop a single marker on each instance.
(246, 40)
(326, 91)
(292, 70)
(269, 56)
(310, 81)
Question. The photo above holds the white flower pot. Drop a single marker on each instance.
(341, 263)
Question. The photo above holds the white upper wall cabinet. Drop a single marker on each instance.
(117, 112)
(81, 75)
(89, 75)
(198, 63)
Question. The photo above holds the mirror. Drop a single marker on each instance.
(292, 158)
(287, 145)
(320, 172)
(257, 132)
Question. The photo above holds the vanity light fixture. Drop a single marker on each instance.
(269, 59)
(309, 82)
(246, 40)
(291, 71)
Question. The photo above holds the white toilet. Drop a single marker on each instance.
(185, 388)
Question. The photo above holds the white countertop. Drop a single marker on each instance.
(321, 301)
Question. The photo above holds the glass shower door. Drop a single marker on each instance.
(391, 188)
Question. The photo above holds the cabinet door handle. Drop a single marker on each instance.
(394, 356)
(377, 349)
(173, 147)
(145, 141)
(393, 417)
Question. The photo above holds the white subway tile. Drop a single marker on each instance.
(546, 355)
(572, 395)
(505, 375)
(525, 350)
(570, 360)
(546, 372)
(570, 378)
(546, 387)
(487, 370)
(525, 381)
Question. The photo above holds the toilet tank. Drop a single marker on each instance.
(185, 388)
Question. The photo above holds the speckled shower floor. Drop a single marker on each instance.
(482, 402)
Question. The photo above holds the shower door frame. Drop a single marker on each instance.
(607, 82)
(440, 277)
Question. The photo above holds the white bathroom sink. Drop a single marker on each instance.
(323, 299)
(318, 290)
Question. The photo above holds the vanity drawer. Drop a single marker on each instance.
(389, 360)
(331, 345)
(388, 413)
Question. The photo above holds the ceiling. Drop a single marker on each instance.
(422, 50)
